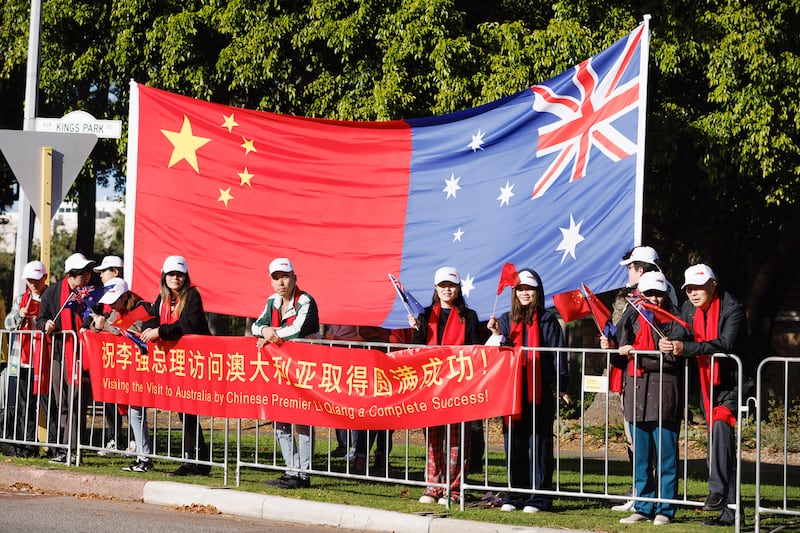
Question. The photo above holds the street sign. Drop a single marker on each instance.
(23, 151)
(80, 122)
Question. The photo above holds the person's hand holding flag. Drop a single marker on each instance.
(412, 306)
(508, 278)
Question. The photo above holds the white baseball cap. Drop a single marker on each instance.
(115, 287)
(281, 264)
(34, 270)
(652, 281)
(446, 274)
(527, 278)
(698, 275)
(77, 261)
(175, 263)
(643, 254)
(109, 261)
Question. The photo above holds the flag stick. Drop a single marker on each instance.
(402, 297)
(591, 311)
(495, 304)
(655, 328)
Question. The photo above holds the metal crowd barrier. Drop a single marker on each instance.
(259, 451)
(782, 413)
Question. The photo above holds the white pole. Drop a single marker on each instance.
(29, 120)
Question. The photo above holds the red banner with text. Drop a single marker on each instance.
(331, 386)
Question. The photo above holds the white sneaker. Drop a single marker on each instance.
(633, 519)
(661, 519)
(426, 499)
(624, 507)
(132, 446)
(111, 448)
(508, 507)
(530, 509)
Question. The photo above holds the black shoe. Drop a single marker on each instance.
(719, 521)
(129, 468)
(293, 482)
(202, 470)
(186, 469)
(278, 481)
(340, 451)
(715, 502)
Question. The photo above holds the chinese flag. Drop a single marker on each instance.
(508, 277)
(214, 184)
(599, 311)
(571, 305)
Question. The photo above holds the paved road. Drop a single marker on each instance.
(42, 513)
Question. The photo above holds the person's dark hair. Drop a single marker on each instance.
(524, 313)
(77, 271)
(183, 293)
(459, 303)
(130, 300)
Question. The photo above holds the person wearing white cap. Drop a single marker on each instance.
(24, 310)
(109, 268)
(290, 313)
(122, 301)
(529, 443)
(654, 419)
(447, 321)
(53, 319)
(719, 326)
(641, 259)
(638, 261)
(178, 311)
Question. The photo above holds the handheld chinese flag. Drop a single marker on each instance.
(508, 277)
(663, 315)
(600, 313)
(571, 305)
(137, 314)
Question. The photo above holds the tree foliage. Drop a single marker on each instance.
(722, 165)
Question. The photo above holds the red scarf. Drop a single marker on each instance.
(33, 347)
(534, 363)
(455, 330)
(644, 342)
(168, 313)
(276, 320)
(68, 323)
(706, 328)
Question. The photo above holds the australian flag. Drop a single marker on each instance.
(83, 299)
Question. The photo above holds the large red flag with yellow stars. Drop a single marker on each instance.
(549, 178)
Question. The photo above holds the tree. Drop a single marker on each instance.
(721, 155)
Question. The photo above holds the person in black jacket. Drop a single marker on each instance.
(447, 321)
(528, 438)
(719, 326)
(652, 399)
(178, 311)
(65, 375)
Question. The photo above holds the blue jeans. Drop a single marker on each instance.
(137, 421)
(647, 437)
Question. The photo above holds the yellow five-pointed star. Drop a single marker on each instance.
(225, 196)
(229, 122)
(248, 146)
(245, 176)
(185, 145)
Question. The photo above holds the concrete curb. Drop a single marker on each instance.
(245, 504)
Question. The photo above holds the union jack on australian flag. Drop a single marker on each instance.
(549, 178)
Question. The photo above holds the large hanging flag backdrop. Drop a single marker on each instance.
(549, 178)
